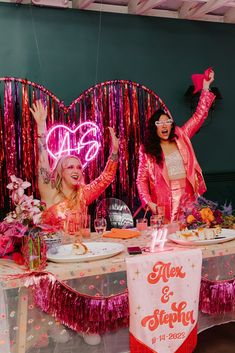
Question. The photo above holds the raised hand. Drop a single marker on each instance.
(39, 113)
(153, 207)
(115, 141)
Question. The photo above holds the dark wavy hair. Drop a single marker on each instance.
(152, 141)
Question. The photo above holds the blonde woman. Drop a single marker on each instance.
(64, 189)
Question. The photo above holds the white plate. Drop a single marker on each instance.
(226, 234)
(96, 251)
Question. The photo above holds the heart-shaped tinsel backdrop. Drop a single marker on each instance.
(123, 105)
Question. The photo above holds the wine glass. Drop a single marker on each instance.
(100, 225)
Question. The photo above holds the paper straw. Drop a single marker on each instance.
(137, 211)
(146, 212)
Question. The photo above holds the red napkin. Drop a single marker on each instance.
(198, 79)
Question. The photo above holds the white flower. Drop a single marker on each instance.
(26, 203)
(36, 202)
(17, 186)
(37, 218)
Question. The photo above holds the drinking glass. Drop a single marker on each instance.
(73, 227)
(142, 224)
(154, 221)
(100, 225)
(160, 215)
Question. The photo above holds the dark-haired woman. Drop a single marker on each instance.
(169, 174)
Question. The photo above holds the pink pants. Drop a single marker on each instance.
(182, 193)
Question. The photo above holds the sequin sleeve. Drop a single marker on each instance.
(93, 190)
(200, 115)
(143, 178)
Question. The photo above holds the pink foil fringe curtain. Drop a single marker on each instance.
(217, 297)
(92, 314)
(79, 312)
(122, 104)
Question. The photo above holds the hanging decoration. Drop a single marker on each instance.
(100, 314)
(121, 104)
(84, 313)
(217, 297)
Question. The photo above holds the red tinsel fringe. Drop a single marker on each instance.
(80, 312)
(217, 297)
(85, 313)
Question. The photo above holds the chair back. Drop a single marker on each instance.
(116, 213)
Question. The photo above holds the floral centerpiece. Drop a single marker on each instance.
(206, 213)
(21, 226)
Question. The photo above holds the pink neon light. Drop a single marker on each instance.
(158, 237)
(66, 141)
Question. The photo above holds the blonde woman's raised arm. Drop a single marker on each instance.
(39, 113)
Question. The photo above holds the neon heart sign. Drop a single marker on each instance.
(81, 141)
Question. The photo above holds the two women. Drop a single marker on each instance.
(169, 174)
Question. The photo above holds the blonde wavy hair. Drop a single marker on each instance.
(77, 199)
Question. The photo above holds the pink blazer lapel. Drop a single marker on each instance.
(183, 150)
(157, 173)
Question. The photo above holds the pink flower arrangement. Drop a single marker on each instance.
(13, 229)
(28, 210)
(203, 213)
(27, 214)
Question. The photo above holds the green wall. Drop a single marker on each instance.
(68, 51)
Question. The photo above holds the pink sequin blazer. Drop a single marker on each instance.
(152, 180)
